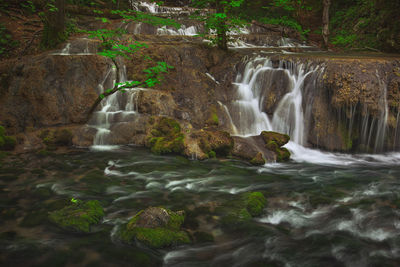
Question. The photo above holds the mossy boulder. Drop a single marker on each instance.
(215, 143)
(156, 227)
(274, 142)
(6, 142)
(166, 137)
(278, 138)
(258, 160)
(78, 216)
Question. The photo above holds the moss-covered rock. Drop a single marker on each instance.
(156, 227)
(215, 143)
(78, 216)
(258, 160)
(278, 138)
(166, 137)
(274, 142)
(255, 203)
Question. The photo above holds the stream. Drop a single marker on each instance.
(340, 210)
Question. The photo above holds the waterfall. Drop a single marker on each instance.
(119, 107)
(255, 85)
(278, 95)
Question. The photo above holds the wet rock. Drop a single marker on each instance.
(166, 137)
(278, 138)
(156, 227)
(258, 160)
(274, 142)
(215, 143)
(252, 149)
(156, 102)
(78, 216)
(49, 90)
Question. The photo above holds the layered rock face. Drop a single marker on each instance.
(48, 90)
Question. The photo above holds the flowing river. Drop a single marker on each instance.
(339, 210)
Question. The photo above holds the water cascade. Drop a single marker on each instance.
(119, 107)
(278, 95)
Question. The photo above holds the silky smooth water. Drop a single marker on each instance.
(342, 211)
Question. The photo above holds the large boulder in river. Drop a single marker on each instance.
(156, 227)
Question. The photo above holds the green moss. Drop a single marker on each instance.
(283, 154)
(218, 142)
(166, 137)
(78, 216)
(212, 154)
(258, 160)
(159, 237)
(6, 142)
(214, 118)
(280, 139)
(272, 145)
(59, 137)
(255, 203)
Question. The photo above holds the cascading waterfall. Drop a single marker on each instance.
(252, 89)
(117, 108)
(278, 96)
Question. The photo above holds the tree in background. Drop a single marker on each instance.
(220, 22)
(53, 23)
(325, 21)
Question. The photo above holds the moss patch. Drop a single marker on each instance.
(274, 142)
(255, 203)
(278, 138)
(166, 137)
(258, 160)
(79, 216)
(6, 142)
(243, 209)
(215, 143)
(165, 234)
(54, 138)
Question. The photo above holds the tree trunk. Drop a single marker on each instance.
(325, 22)
(222, 41)
(54, 25)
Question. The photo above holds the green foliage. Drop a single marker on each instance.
(79, 216)
(224, 20)
(29, 6)
(6, 41)
(365, 24)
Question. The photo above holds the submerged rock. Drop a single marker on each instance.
(79, 216)
(156, 227)
(242, 210)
